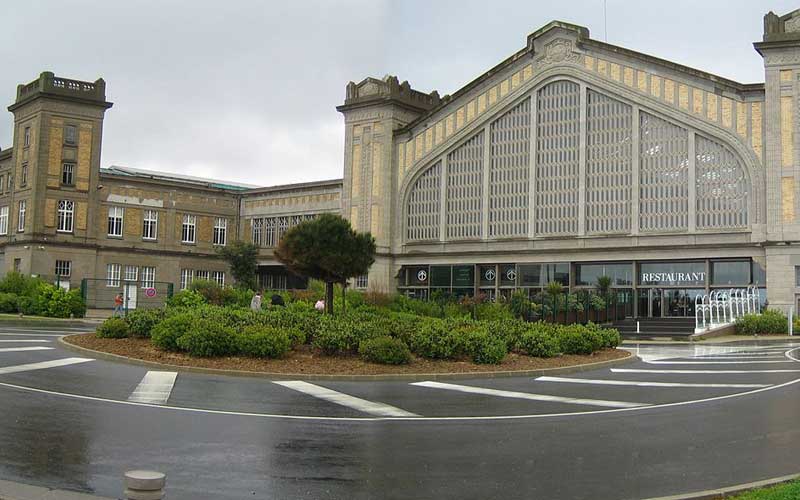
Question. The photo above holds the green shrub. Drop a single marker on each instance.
(401, 303)
(510, 330)
(385, 350)
(207, 339)
(483, 348)
(492, 311)
(186, 298)
(575, 339)
(55, 302)
(770, 322)
(540, 341)
(440, 339)
(8, 302)
(210, 290)
(263, 342)
(27, 305)
(343, 334)
(166, 333)
(142, 321)
(113, 328)
(19, 284)
(609, 336)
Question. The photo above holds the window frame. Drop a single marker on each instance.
(62, 266)
(187, 277)
(27, 137)
(148, 276)
(150, 223)
(73, 141)
(113, 275)
(120, 218)
(22, 207)
(23, 175)
(189, 225)
(220, 232)
(218, 277)
(65, 213)
(64, 166)
(4, 212)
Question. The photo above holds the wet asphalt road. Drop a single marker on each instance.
(722, 416)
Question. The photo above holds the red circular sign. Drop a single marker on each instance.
(150, 292)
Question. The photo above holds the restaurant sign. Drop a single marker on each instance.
(673, 278)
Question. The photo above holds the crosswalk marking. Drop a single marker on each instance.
(371, 407)
(41, 365)
(642, 384)
(704, 372)
(20, 349)
(525, 395)
(155, 388)
(23, 340)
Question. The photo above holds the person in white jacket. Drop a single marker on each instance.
(255, 304)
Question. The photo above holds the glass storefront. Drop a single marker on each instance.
(643, 289)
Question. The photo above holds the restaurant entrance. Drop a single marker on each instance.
(668, 302)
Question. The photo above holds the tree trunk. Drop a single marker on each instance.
(344, 297)
(329, 297)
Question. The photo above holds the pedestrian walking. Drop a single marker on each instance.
(118, 305)
(320, 305)
(255, 303)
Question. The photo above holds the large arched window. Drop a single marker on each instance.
(486, 180)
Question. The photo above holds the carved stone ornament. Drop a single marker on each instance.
(792, 24)
(559, 50)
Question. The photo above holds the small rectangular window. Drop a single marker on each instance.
(21, 216)
(131, 273)
(66, 216)
(68, 174)
(113, 272)
(4, 220)
(2, 184)
(187, 276)
(150, 225)
(362, 282)
(220, 231)
(148, 277)
(70, 135)
(23, 176)
(219, 277)
(115, 218)
(27, 136)
(201, 275)
(9, 182)
(258, 225)
(63, 268)
(188, 229)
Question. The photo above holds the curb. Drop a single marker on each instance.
(11, 490)
(349, 378)
(729, 490)
(717, 340)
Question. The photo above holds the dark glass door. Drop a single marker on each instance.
(655, 302)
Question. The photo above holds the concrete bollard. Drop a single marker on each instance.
(144, 485)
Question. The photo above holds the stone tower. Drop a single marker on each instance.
(373, 110)
(58, 127)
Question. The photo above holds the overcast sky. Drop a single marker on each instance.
(246, 91)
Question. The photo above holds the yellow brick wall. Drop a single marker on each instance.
(787, 132)
(50, 213)
(756, 127)
(205, 229)
(377, 155)
(54, 153)
(787, 199)
(356, 172)
(81, 208)
(132, 225)
(84, 157)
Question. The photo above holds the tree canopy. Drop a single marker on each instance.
(242, 256)
(327, 248)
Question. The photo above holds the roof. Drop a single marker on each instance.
(167, 176)
(583, 38)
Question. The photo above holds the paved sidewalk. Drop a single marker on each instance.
(717, 340)
(18, 491)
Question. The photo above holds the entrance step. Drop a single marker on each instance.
(655, 328)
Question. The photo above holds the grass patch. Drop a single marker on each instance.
(788, 491)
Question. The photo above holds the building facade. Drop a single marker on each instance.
(573, 159)
(570, 160)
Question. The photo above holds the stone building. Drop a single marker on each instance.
(574, 158)
(569, 160)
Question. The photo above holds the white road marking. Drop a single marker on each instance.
(44, 364)
(525, 395)
(711, 362)
(371, 407)
(641, 384)
(739, 358)
(24, 340)
(33, 334)
(636, 370)
(19, 349)
(155, 388)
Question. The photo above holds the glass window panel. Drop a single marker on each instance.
(464, 276)
(759, 274)
(730, 273)
(440, 276)
(555, 272)
(487, 275)
(530, 275)
(508, 275)
(417, 275)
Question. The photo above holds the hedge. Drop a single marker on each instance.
(770, 322)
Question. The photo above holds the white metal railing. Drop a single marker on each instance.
(722, 307)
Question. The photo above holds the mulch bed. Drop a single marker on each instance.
(309, 361)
